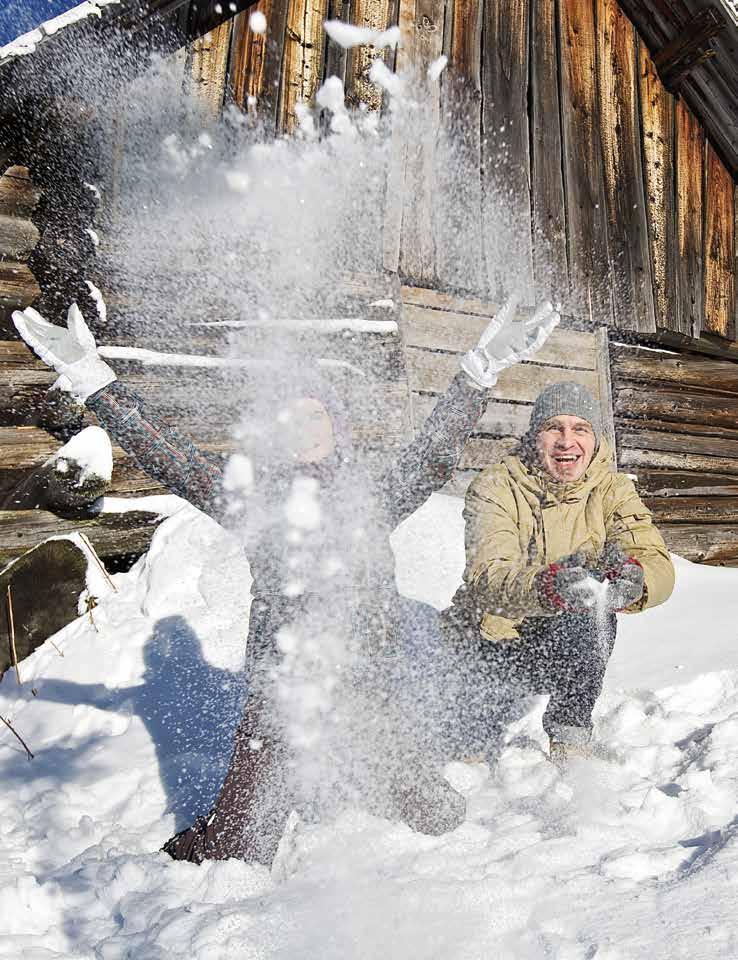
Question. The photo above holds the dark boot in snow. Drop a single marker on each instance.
(428, 803)
(249, 815)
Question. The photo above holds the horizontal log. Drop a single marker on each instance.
(112, 535)
(706, 446)
(678, 427)
(702, 543)
(18, 286)
(430, 372)
(498, 420)
(666, 403)
(458, 332)
(18, 237)
(630, 460)
(18, 194)
(694, 509)
(422, 297)
(682, 483)
(648, 367)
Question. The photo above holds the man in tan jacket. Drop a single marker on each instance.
(557, 543)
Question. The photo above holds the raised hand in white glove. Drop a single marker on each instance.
(70, 350)
(507, 341)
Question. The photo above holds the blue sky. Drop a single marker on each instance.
(19, 16)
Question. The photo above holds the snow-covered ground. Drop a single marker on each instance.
(633, 855)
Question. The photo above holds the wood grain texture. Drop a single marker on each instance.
(18, 237)
(248, 54)
(674, 403)
(208, 68)
(690, 149)
(375, 15)
(694, 510)
(505, 148)
(19, 196)
(657, 119)
(620, 131)
(430, 372)
(547, 181)
(682, 484)
(631, 458)
(719, 247)
(18, 286)
(304, 51)
(686, 371)
(500, 419)
(707, 543)
(589, 267)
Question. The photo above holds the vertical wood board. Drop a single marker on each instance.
(690, 149)
(208, 67)
(719, 247)
(303, 58)
(657, 117)
(620, 131)
(374, 14)
(505, 147)
(248, 56)
(590, 295)
(547, 181)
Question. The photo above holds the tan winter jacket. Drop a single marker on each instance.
(518, 521)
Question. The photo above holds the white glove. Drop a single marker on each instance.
(70, 350)
(506, 342)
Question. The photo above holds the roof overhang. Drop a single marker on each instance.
(694, 44)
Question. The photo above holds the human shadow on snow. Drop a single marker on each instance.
(189, 707)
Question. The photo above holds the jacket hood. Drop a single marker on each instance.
(538, 487)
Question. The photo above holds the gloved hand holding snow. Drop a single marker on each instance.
(568, 585)
(508, 340)
(624, 575)
(70, 350)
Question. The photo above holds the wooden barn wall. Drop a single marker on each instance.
(676, 416)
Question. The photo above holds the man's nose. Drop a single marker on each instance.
(566, 438)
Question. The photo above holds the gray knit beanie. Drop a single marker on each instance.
(561, 399)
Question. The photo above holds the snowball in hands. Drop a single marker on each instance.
(497, 348)
(70, 350)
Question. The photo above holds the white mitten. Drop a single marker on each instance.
(70, 350)
(505, 342)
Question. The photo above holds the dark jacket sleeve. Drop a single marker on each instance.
(158, 449)
(425, 464)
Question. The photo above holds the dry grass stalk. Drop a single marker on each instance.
(60, 652)
(15, 733)
(11, 626)
(98, 562)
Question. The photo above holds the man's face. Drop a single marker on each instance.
(565, 446)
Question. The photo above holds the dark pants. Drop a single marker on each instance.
(471, 688)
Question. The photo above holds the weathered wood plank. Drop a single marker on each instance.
(690, 149)
(458, 332)
(706, 543)
(18, 286)
(673, 404)
(302, 67)
(678, 427)
(498, 420)
(438, 300)
(631, 458)
(18, 237)
(547, 182)
(719, 249)
(604, 390)
(432, 372)
(375, 15)
(694, 509)
(459, 246)
(706, 446)
(654, 368)
(208, 67)
(248, 56)
(481, 452)
(589, 268)
(19, 196)
(657, 118)
(111, 535)
(627, 229)
(506, 207)
(417, 260)
(683, 484)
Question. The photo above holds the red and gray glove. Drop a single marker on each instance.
(566, 585)
(625, 575)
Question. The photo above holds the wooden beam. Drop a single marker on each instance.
(374, 15)
(589, 268)
(657, 118)
(621, 137)
(690, 149)
(208, 65)
(19, 196)
(683, 371)
(719, 248)
(18, 286)
(506, 167)
(547, 179)
(702, 543)
(303, 59)
(676, 404)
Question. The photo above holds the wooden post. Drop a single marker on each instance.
(690, 149)
(719, 247)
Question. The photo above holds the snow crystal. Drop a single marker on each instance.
(331, 97)
(99, 301)
(94, 190)
(436, 68)
(302, 508)
(346, 35)
(239, 474)
(91, 449)
(93, 235)
(380, 74)
(163, 505)
(258, 22)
